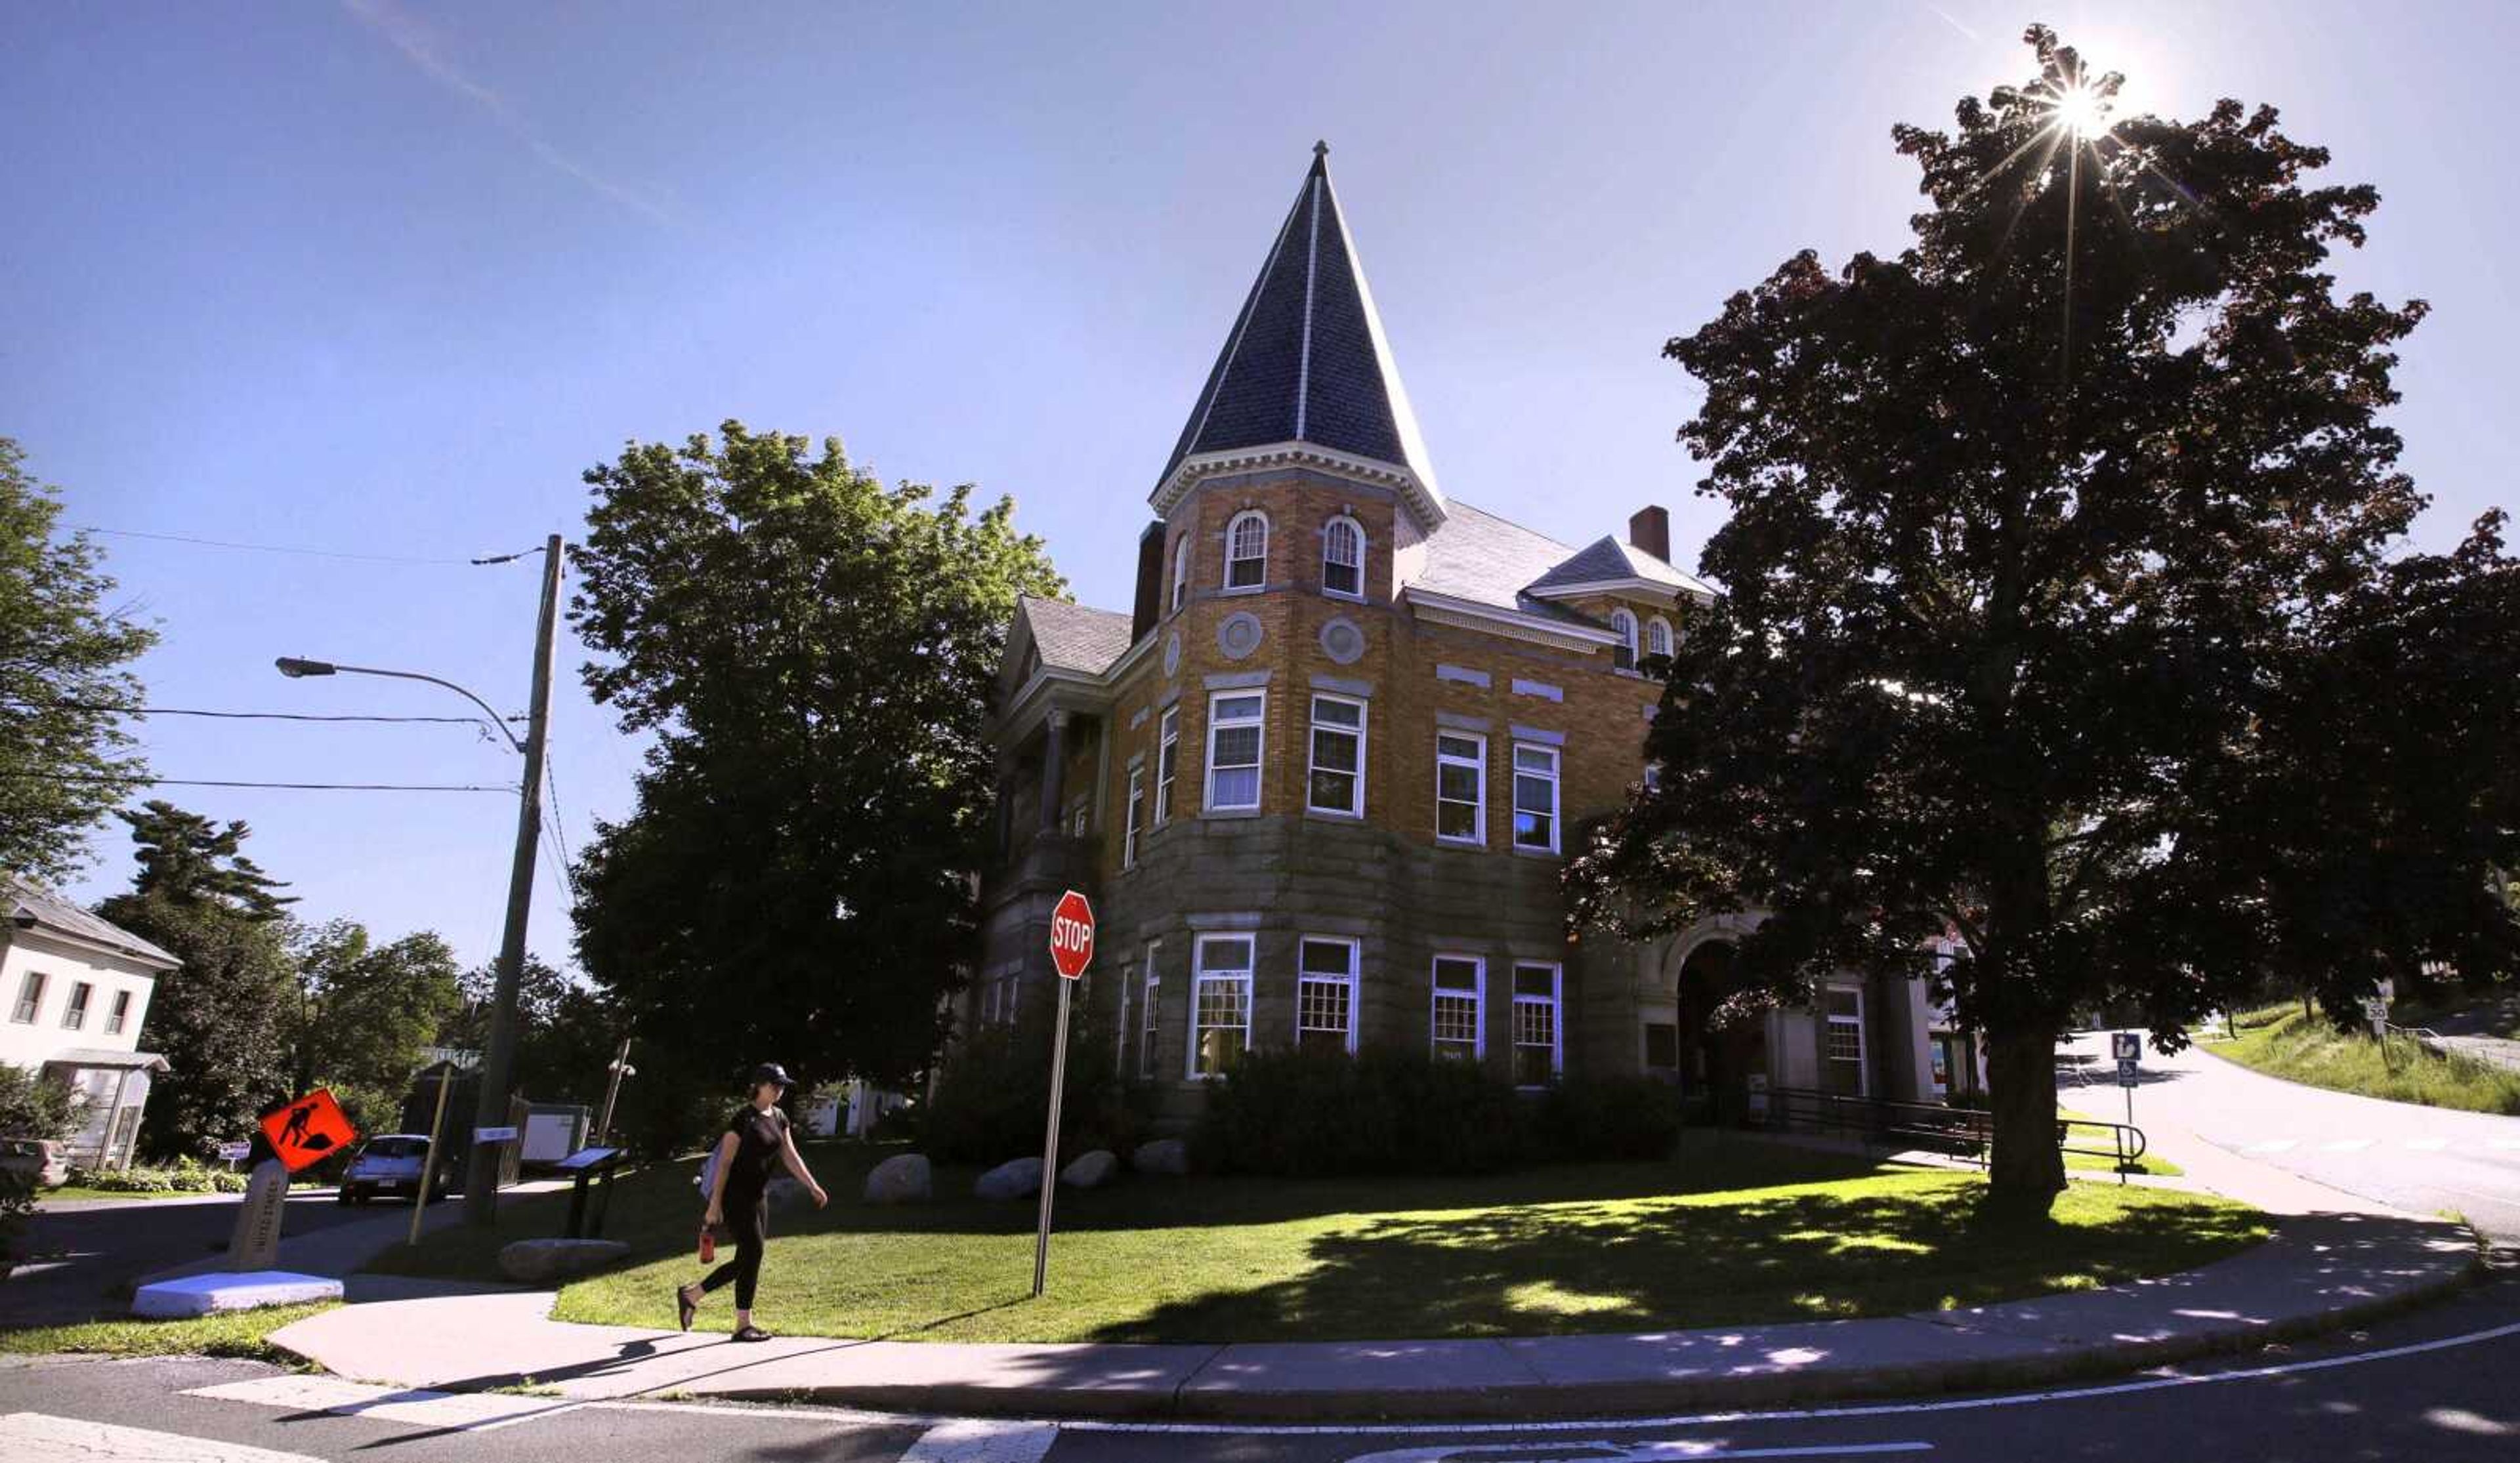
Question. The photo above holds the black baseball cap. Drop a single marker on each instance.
(771, 1072)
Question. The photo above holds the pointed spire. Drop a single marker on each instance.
(1307, 360)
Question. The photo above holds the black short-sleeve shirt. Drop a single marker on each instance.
(759, 1141)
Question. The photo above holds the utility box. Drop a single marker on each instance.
(551, 1131)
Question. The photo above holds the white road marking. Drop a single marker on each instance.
(1635, 1452)
(2277, 1145)
(40, 1438)
(2344, 1145)
(979, 1440)
(2505, 1142)
(2428, 1146)
(419, 1407)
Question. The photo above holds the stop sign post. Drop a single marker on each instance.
(1071, 950)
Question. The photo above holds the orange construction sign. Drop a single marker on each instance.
(308, 1129)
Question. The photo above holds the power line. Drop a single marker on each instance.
(179, 538)
(139, 781)
(240, 716)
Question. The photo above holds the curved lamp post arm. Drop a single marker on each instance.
(292, 665)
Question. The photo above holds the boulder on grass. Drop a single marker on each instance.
(904, 1178)
(1018, 1179)
(1091, 1169)
(537, 1262)
(1162, 1156)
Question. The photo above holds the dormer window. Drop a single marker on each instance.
(1624, 626)
(1181, 573)
(1246, 551)
(1343, 559)
(1659, 637)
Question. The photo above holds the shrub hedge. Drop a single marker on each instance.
(187, 1176)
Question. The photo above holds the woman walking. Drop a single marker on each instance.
(754, 1142)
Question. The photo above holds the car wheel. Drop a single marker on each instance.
(342, 1197)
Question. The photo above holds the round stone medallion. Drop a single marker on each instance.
(1239, 635)
(1172, 654)
(1342, 642)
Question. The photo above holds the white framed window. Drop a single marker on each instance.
(1325, 993)
(30, 999)
(1233, 737)
(1137, 817)
(1659, 637)
(74, 1014)
(1624, 626)
(1461, 787)
(1535, 797)
(1539, 1037)
(1246, 551)
(1180, 572)
(1220, 1017)
(1843, 1040)
(120, 1013)
(1167, 761)
(1344, 557)
(1148, 1011)
(1336, 773)
(1122, 1033)
(1460, 985)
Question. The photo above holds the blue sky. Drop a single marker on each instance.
(378, 277)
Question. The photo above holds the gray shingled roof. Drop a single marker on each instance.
(1307, 360)
(50, 911)
(1076, 636)
(1608, 559)
(1476, 556)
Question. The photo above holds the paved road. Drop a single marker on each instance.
(2433, 1386)
(88, 1253)
(2419, 1159)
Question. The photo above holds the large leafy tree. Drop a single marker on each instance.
(567, 1034)
(812, 653)
(2061, 622)
(366, 1014)
(64, 757)
(223, 1019)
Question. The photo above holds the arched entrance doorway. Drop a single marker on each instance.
(1718, 1058)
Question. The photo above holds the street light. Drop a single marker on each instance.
(498, 1062)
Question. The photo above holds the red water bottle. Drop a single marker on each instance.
(709, 1245)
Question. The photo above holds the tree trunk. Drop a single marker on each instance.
(2027, 1172)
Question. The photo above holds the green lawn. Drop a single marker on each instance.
(73, 1191)
(237, 1333)
(2280, 1042)
(1733, 1231)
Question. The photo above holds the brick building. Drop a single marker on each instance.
(1322, 778)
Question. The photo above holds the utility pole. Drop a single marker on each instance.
(613, 1090)
(498, 1062)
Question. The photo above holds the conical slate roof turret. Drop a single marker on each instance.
(1307, 361)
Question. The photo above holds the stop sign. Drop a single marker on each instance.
(1071, 935)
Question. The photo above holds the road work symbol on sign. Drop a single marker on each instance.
(1071, 935)
(308, 1130)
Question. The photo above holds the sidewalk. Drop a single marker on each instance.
(342, 1251)
(2322, 1271)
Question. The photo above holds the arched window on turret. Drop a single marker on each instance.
(1344, 557)
(1659, 637)
(1624, 626)
(1246, 551)
(1181, 573)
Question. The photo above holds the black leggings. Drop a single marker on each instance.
(748, 1226)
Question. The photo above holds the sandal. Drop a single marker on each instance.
(751, 1333)
(683, 1306)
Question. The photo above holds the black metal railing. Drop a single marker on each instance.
(1960, 1132)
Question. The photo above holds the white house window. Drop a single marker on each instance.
(1246, 551)
(1344, 557)
(1461, 787)
(1146, 1013)
(1458, 1029)
(1167, 761)
(121, 1012)
(1539, 1048)
(1659, 637)
(1845, 1047)
(1219, 1004)
(1122, 1033)
(1326, 994)
(1624, 626)
(1337, 780)
(1181, 573)
(1234, 750)
(1535, 798)
(30, 999)
(1137, 817)
(75, 1015)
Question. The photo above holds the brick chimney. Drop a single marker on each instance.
(1651, 530)
(1151, 582)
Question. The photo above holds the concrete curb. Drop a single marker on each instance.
(2321, 1272)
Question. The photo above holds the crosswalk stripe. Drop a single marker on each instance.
(977, 1441)
(41, 1437)
(2344, 1145)
(2428, 1146)
(449, 1411)
(2275, 1146)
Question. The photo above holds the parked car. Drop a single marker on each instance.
(392, 1164)
(45, 1162)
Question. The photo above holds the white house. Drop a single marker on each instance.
(73, 992)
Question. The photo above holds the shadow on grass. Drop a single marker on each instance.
(1669, 1265)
